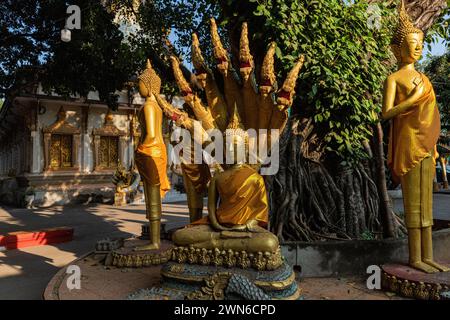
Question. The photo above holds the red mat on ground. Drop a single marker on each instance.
(22, 239)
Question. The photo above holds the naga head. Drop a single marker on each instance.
(220, 53)
(184, 86)
(245, 57)
(198, 61)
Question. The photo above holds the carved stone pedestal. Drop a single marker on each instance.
(183, 281)
(412, 283)
(127, 257)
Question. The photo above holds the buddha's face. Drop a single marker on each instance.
(235, 149)
(412, 47)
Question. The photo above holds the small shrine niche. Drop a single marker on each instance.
(61, 144)
(109, 145)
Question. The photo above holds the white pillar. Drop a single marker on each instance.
(36, 156)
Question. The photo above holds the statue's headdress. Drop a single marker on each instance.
(150, 79)
(404, 27)
(235, 127)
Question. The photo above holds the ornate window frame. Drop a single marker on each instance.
(62, 127)
(108, 129)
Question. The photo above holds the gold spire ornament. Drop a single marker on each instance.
(150, 79)
(235, 127)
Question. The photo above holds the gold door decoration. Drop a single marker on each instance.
(61, 151)
(109, 151)
(109, 144)
(61, 144)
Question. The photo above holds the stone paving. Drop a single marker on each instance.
(24, 273)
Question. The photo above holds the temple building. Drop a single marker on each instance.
(59, 150)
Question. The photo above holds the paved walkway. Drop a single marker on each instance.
(24, 273)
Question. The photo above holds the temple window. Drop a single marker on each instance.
(61, 144)
(61, 151)
(109, 152)
(109, 145)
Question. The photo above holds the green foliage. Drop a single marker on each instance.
(438, 70)
(97, 57)
(440, 30)
(341, 82)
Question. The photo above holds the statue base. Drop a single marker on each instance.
(411, 283)
(127, 257)
(182, 281)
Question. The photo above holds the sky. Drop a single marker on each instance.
(436, 49)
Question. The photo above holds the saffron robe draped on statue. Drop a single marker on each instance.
(243, 197)
(414, 134)
(412, 156)
(151, 162)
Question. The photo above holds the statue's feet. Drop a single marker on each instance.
(151, 246)
(422, 266)
(436, 265)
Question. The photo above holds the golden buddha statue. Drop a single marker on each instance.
(410, 101)
(151, 154)
(196, 177)
(237, 200)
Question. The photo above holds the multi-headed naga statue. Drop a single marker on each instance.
(237, 199)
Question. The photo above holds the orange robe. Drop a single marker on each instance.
(414, 134)
(151, 162)
(242, 197)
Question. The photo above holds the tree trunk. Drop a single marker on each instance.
(386, 203)
(422, 12)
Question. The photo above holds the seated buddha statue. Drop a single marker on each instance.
(410, 101)
(237, 199)
(237, 205)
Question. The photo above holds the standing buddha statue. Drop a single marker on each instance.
(151, 154)
(410, 102)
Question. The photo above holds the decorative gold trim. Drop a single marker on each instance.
(412, 289)
(139, 260)
(228, 258)
(214, 288)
